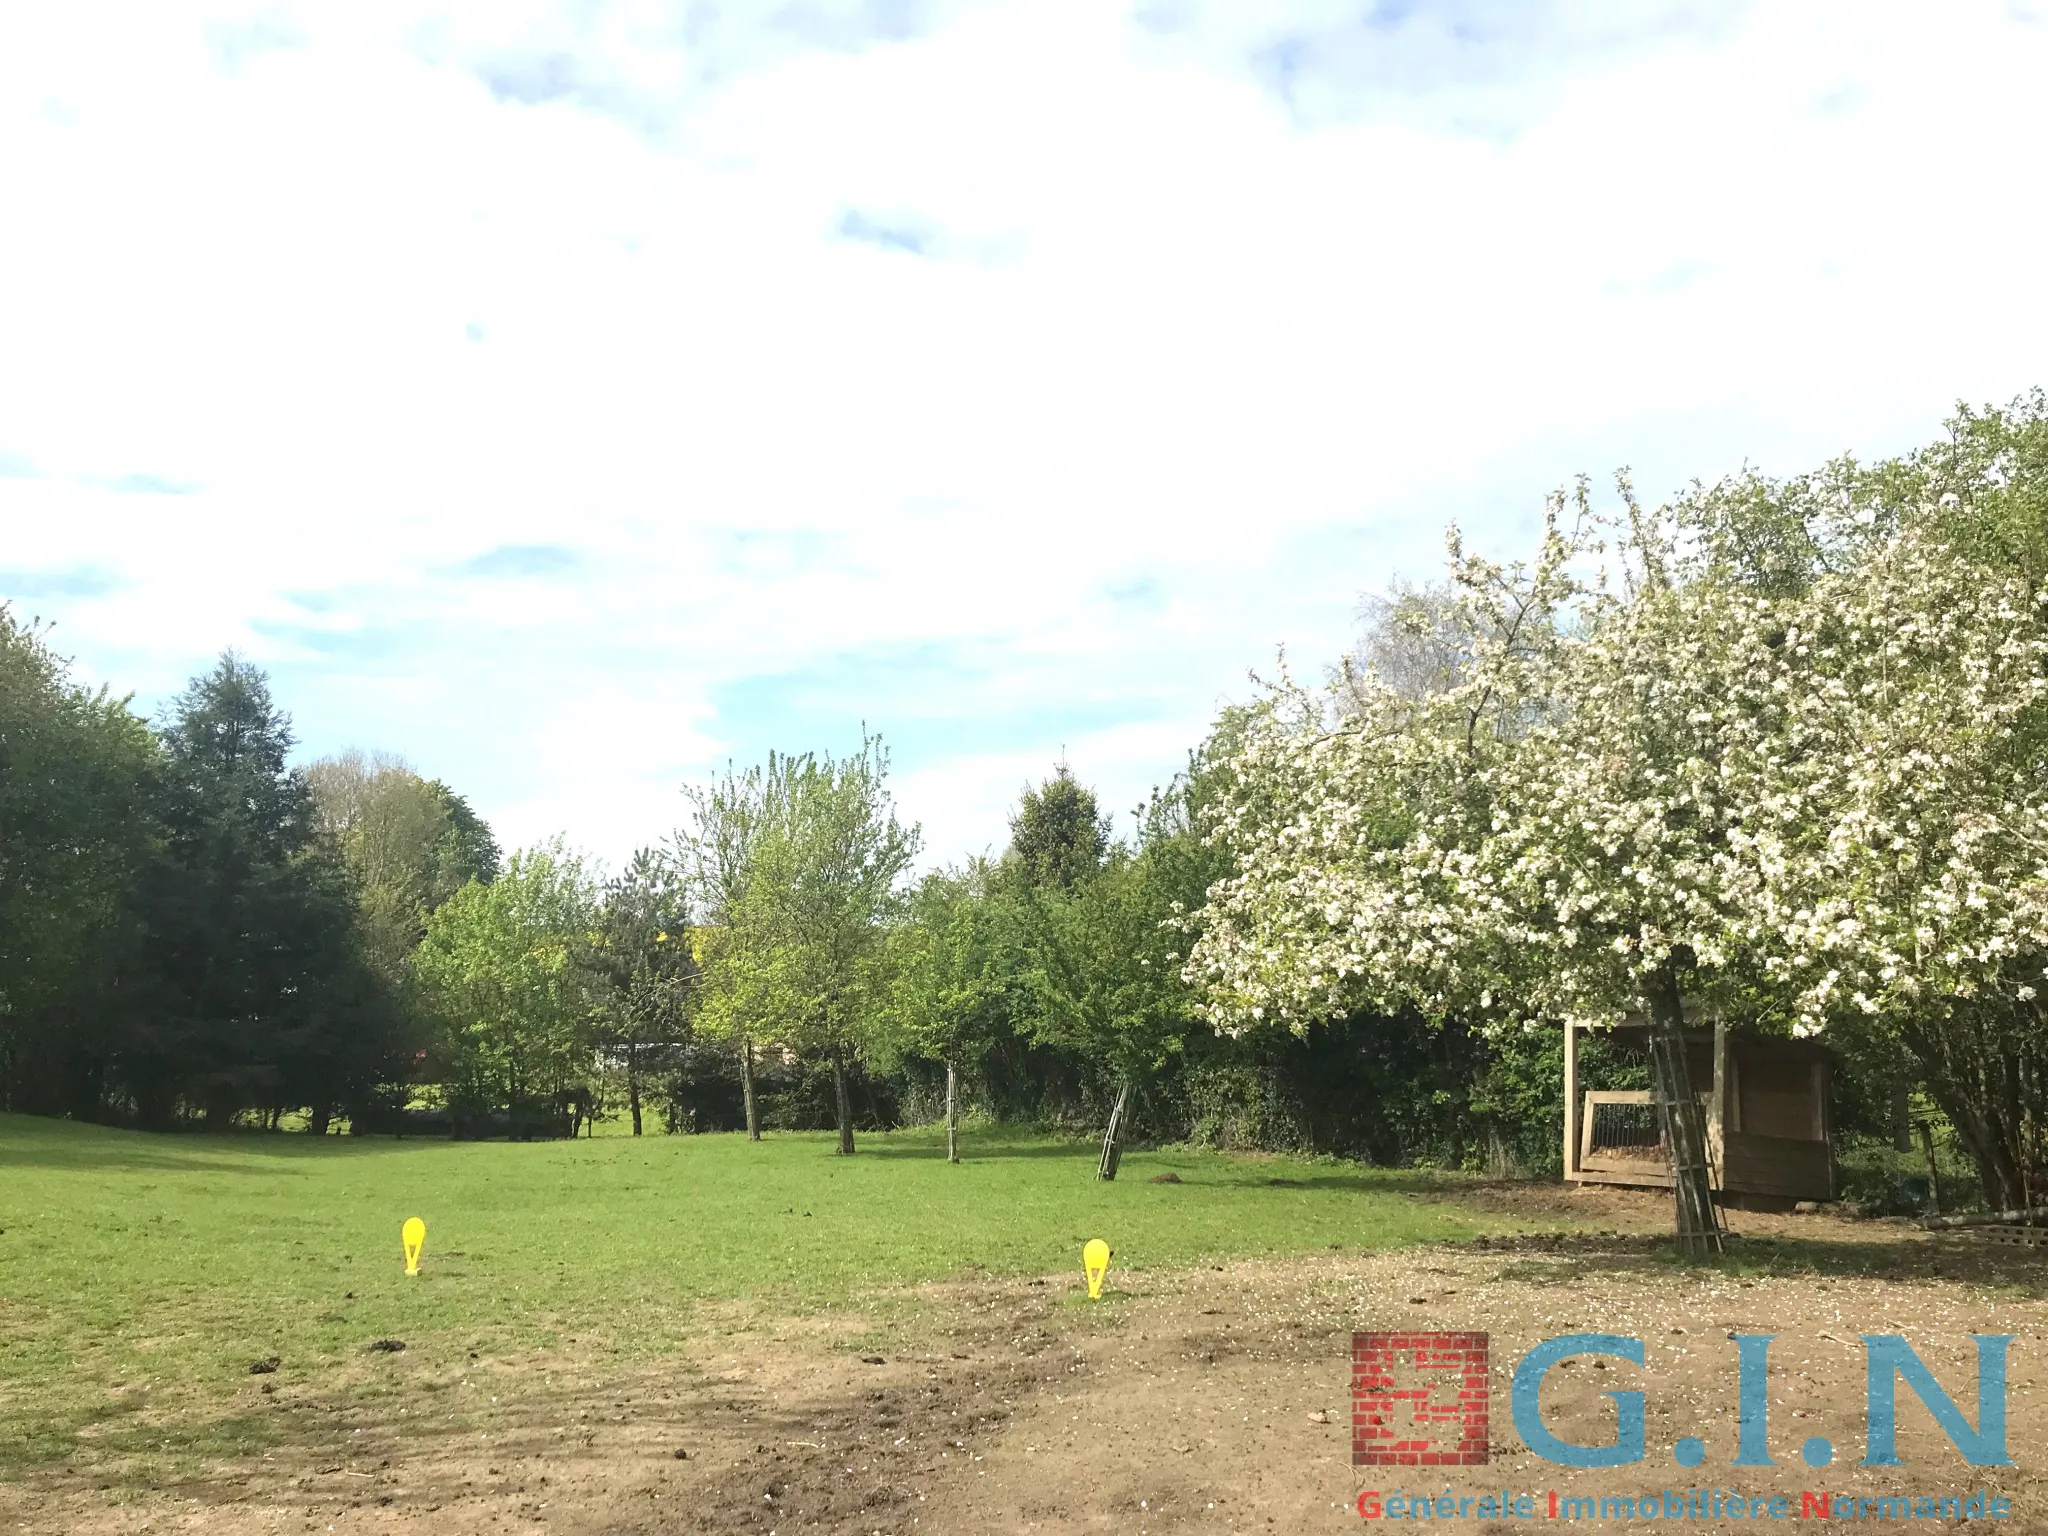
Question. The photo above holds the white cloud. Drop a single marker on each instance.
(1197, 346)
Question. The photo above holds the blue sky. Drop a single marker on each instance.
(571, 398)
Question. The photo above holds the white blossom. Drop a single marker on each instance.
(1831, 795)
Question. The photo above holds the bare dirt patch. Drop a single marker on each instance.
(1213, 1399)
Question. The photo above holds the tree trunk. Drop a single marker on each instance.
(747, 1089)
(1933, 1169)
(1113, 1135)
(152, 1098)
(633, 1085)
(1970, 1066)
(952, 1119)
(1685, 1131)
(316, 1122)
(845, 1103)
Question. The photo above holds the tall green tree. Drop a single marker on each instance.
(467, 850)
(384, 826)
(262, 999)
(78, 789)
(1059, 834)
(641, 957)
(1100, 928)
(953, 975)
(503, 971)
(1106, 983)
(405, 843)
(729, 947)
(830, 873)
(804, 953)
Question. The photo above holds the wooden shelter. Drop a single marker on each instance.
(1766, 1104)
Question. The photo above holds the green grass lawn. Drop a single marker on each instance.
(140, 1275)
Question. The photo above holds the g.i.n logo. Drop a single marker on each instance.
(1888, 1360)
(1420, 1399)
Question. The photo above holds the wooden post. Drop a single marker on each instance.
(1571, 1099)
(952, 1117)
(1823, 1117)
(1717, 1106)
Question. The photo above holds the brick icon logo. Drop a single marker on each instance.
(1418, 1399)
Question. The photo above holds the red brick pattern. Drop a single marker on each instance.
(1418, 1399)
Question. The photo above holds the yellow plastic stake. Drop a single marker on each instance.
(414, 1236)
(1095, 1264)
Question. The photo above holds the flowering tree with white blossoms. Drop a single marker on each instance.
(1350, 822)
(1549, 837)
(1792, 766)
(1902, 840)
(1899, 842)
